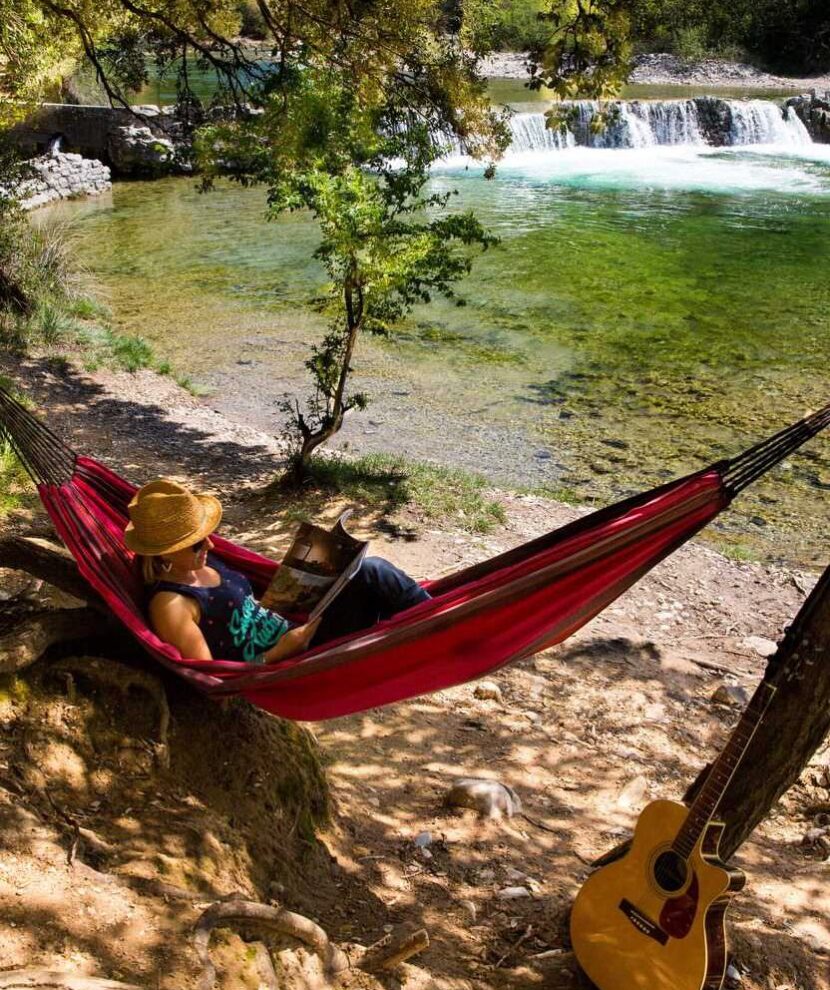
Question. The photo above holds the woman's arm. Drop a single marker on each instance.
(175, 619)
(294, 641)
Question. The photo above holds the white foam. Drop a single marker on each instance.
(800, 169)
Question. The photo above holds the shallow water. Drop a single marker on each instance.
(647, 311)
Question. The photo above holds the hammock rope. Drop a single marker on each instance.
(747, 467)
(478, 619)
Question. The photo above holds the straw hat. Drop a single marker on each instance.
(165, 517)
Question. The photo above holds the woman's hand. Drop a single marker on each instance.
(294, 641)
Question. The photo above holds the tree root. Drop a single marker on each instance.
(51, 563)
(238, 913)
(37, 631)
(114, 674)
(19, 979)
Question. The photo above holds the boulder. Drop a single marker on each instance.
(137, 150)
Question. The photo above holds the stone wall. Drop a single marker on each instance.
(144, 142)
(814, 111)
(60, 176)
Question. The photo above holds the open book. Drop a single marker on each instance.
(318, 566)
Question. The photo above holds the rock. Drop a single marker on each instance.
(486, 875)
(422, 840)
(733, 976)
(513, 893)
(138, 151)
(633, 795)
(730, 694)
(758, 644)
(469, 908)
(543, 455)
(490, 798)
(488, 691)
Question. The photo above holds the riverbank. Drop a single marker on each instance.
(662, 69)
(586, 733)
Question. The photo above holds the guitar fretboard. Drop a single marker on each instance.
(723, 769)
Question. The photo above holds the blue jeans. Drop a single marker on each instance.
(376, 592)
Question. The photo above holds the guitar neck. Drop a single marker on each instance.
(723, 769)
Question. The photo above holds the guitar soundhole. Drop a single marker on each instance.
(670, 871)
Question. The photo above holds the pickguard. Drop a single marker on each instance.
(678, 913)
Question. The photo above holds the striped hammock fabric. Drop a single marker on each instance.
(478, 619)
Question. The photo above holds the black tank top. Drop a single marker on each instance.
(234, 624)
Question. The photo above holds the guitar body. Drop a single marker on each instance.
(631, 931)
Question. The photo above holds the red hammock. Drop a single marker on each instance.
(478, 619)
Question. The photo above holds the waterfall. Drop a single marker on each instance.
(762, 122)
(531, 133)
(641, 123)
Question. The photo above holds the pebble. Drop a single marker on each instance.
(488, 691)
(422, 840)
(490, 798)
(730, 694)
(512, 893)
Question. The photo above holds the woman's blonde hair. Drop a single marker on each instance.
(151, 568)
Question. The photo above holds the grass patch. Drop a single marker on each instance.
(87, 308)
(132, 353)
(388, 482)
(558, 493)
(741, 552)
(186, 382)
(15, 484)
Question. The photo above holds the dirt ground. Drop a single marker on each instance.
(586, 734)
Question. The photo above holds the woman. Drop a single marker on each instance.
(208, 611)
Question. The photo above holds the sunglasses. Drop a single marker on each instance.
(198, 547)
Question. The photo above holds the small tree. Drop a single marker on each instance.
(387, 243)
(383, 254)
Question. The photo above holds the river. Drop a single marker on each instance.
(653, 305)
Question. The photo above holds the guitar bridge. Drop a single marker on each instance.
(642, 922)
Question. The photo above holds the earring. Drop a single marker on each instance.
(166, 566)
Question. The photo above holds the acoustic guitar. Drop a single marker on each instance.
(654, 919)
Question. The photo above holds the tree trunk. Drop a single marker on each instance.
(795, 725)
(299, 468)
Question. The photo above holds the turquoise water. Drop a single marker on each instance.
(646, 312)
